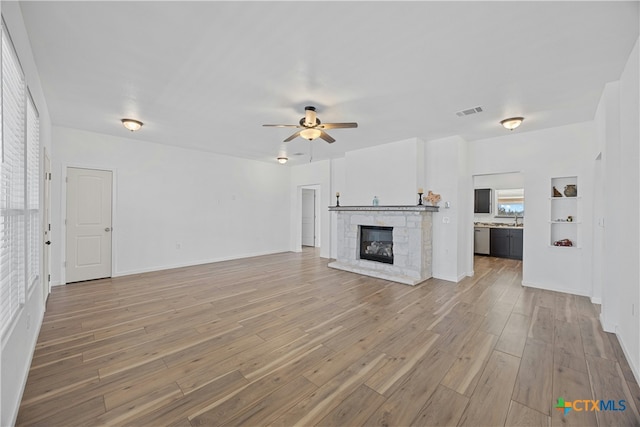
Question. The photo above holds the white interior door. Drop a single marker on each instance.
(46, 226)
(308, 217)
(88, 254)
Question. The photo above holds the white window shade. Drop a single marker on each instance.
(13, 194)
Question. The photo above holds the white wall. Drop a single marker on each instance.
(18, 344)
(446, 173)
(607, 122)
(620, 131)
(172, 206)
(392, 172)
(338, 184)
(541, 155)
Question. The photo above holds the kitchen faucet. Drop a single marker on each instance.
(516, 222)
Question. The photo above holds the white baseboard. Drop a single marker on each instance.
(448, 278)
(194, 263)
(556, 289)
(630, 360)
(607, 327)
(37, 324)
(184, 264)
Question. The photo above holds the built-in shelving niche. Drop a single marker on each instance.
(564, 217)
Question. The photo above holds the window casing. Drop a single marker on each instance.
(19, 187)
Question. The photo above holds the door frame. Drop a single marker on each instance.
(315, 216)
(46, 226)
(63, 209)
(297, 240)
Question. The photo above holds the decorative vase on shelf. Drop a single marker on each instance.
(556, 193)
(570, 190)
(376, 202)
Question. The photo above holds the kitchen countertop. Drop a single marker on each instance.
(497, 225)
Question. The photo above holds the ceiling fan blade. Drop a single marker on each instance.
(292, 137)
(338, 125)
(284, 126)
(326, 137)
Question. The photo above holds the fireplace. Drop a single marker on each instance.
(409, 242)
(376, 243)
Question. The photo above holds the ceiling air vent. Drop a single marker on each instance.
(469, 111)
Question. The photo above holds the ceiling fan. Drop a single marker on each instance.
(311, 127)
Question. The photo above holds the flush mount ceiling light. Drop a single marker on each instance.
(131, 124)
(282, 159)
(512, 122)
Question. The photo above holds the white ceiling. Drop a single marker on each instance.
(207, 75)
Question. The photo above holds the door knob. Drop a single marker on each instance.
(107, 229)
(48, 242)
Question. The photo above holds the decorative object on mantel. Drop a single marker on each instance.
(337, 198)
(570, 190)
(556, 193)
(420, 193)
(563, 242)
(432, 198)
(569, 218)
(376, 202)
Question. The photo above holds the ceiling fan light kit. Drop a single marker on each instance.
(312, 128)
(131, 124)
(283, 159)
(310, 134)
(512, 122)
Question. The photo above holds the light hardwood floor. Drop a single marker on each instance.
(284, 340)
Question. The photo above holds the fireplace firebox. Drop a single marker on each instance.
(376, 243)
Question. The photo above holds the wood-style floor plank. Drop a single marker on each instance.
(523, 416)
(284, 340)
(534, 382)
(495, 385)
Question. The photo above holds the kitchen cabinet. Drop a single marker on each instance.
(506, 242)
(482, 200)
(481, 241)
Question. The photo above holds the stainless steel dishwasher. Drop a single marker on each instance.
(481, 241)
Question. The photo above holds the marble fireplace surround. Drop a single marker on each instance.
(412, 238)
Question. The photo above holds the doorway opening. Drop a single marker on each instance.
(498, 226)
(309, 217)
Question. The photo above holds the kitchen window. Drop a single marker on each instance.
(510, 203)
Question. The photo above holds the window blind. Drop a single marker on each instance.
(33, 193)
(13, 192)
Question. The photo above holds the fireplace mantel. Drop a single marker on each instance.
(411, 241)
(400, 208)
